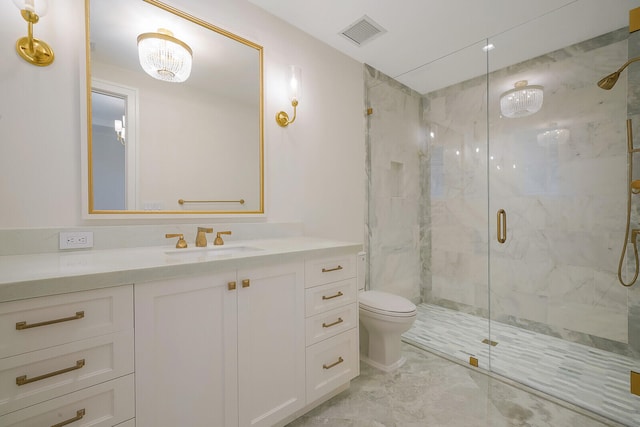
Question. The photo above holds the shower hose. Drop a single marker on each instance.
(635, 231)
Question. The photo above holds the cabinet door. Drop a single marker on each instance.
(186, 352)
(271, 343)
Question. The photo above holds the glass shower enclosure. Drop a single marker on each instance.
(498, 201)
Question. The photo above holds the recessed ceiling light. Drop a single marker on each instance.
(488, 47)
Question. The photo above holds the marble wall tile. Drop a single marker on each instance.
(633, 113)
(565, 199)
(396, 151)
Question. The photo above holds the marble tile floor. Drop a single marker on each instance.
(431, 391)
(590, 378)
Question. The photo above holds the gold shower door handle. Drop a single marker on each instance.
(502, 226)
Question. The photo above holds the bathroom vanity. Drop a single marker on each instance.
(251, 334)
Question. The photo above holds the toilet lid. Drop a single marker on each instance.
(383, 301)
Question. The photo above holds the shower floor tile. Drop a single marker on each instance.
(594, 379)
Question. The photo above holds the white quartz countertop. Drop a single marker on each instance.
(28, 276)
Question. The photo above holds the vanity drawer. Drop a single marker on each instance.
(331, 269)
(332, 363)
(63, 369)
(326, 297)
(39, 323)
(331, 323)
(103, 405)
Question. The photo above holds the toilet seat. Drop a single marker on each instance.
(386, 304)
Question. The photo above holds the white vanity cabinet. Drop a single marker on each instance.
(225, 349)
(186, 353)
(271, 343)
(237, 341)
(331, 324)
(67, 359)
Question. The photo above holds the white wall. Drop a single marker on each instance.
(314, 168)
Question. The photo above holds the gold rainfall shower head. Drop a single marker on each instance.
(610, 81)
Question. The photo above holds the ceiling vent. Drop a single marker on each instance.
(363, 31)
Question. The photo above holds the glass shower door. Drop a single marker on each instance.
(560, 321)
(453, 317)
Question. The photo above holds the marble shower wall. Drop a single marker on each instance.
(440, 165)
(633, 113)
(560, 176)
(396, 148)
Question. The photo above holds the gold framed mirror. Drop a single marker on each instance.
(159, 143)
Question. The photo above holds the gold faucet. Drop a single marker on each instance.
(181, 242)
(201, 237)
(219, 240)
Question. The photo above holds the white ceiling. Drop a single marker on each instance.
(430, 44)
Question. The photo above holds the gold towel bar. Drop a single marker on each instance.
(182, 201)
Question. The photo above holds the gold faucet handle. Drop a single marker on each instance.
(205, 230)
(219, 240)
(181, 244)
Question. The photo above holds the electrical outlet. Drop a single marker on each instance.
(76, 239)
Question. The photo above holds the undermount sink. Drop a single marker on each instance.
(211, 251)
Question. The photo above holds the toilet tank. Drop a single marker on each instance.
(360, 270)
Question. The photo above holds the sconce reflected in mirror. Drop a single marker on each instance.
(294, 88)
(119, 126)
(30, 49)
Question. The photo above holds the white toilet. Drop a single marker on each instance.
(384, 318)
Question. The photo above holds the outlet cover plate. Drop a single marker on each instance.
(76, 239)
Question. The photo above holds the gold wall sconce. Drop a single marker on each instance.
(294, 87)
(30, 49)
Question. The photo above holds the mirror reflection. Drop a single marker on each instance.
(176, 113)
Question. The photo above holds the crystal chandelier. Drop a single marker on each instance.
(522, 101)
(164, 57)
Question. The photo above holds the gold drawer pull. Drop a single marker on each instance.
(337, 322)
(79, 415)
(246, 283)
(22, 380)
(340, 360)
(324, 270)
(23, 325)
(339, 294)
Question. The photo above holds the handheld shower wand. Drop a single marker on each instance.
(635, 231)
